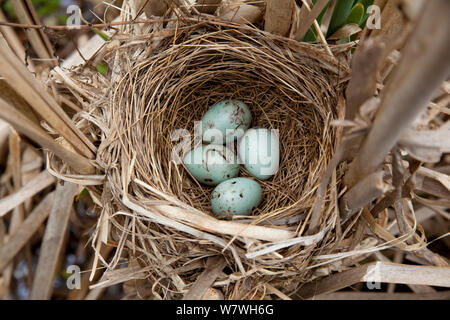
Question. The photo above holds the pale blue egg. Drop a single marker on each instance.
(225, 121)
(259, 151)
(238, 196)
(211, 164)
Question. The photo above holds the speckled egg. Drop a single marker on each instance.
(259, 151)
(211, 164)
(236, 196)
(225, 121)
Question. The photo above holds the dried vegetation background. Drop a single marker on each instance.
(364, 186)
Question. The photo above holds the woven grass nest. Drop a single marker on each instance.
(162, 216)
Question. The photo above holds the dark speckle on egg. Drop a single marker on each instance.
(227, 115)
(239, 196)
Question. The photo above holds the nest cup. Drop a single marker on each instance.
(289, 86)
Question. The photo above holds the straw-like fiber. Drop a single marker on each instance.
(157, 211)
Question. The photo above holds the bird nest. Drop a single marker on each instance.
(153, 209)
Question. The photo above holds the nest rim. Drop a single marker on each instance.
(126, 190)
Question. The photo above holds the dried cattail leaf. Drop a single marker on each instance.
(345, 32)
(156, 8)
(426, 145)
(244, 13)
(207, 6)
(278, 16)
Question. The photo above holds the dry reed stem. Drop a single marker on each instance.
(377, 272)
(306, 19)
(21, 80)
(365, 64)
(52, 243)
(156, 7)
(345, 32)
(4, 135)
(40, 182)
(26, 14)
(16, 100)
(205, 280)
(321, 35)
(349, 295)
(278, 16)
(242, 13)
(409, 89)
(28, 128)
(14, 43)
(397, 259)
(31, 224)
(364, 192)
(207, 6)
(79, 294)
(18, 214)
(393, 19)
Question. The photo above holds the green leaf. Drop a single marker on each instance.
(46, 7)
(62, 19)
(102, 68)
(82, 194)
(311, 35)
(102, 35)
(7, 6)
(43, 7)
(341, 12)
(356, 15)
(366, 4)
